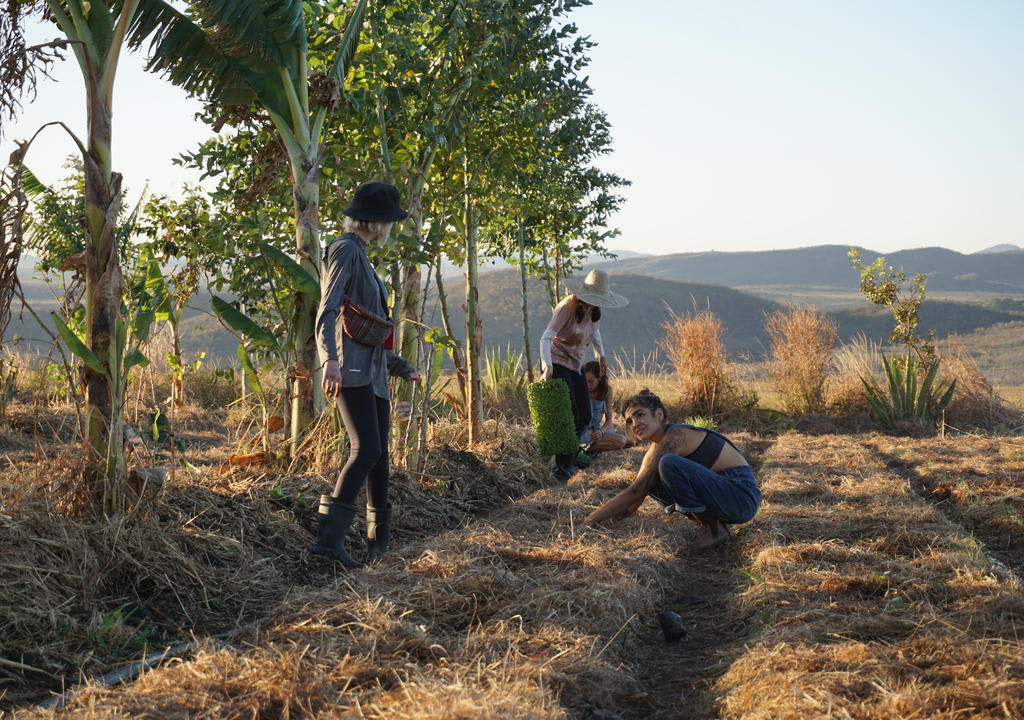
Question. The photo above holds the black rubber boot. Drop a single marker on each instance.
(334, 520)
(565, 467)
(378, 532)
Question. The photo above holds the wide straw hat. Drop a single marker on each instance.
(376, 202)
(594, 291)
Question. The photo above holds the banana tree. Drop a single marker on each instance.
(256, 53)
(96, 32)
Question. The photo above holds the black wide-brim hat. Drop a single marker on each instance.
(376, 202)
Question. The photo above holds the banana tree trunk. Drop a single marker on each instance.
(474, 331)
(105, 462)
(304, 376)
(526, 317)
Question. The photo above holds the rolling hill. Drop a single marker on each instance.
(829, 266)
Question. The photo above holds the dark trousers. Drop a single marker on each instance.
(731, 495)
(367, 420)
(578, 395)
(580, 400)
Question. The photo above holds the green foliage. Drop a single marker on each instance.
(904, 400)
(888, 287)
(158, 426)
(551, 413)
(701, 421)
(505, 372)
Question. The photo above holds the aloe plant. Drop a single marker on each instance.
(907, 396)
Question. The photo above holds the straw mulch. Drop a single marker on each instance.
(518, 614)
(211, 554)
(871, 603)
(976, 479)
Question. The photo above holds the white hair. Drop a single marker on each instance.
(369, 229)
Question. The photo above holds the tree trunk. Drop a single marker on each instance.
(526, 318)
(105, 463)
(460, 367)
(552, 297)
(305, 391)
(177, 382)
(474, 331)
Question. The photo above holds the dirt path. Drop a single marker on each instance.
(678, 678)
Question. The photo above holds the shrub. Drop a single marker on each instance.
(695, 349)
(911, 395)
(800, 355)
(551, 413)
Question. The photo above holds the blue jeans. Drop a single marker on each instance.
(731, 495)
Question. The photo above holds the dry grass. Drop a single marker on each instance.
(977, 480)
(976, 403)
(517, 616)
(800, 356)
(693, 345)
(213, 552)
(871, 605)
(859, 358)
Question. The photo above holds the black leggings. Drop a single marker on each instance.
(578, 395)
(367, 420)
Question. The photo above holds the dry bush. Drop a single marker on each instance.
(976, 404)
(800, 357)
(693, 344)
(859, 358)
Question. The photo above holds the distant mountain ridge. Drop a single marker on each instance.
(1005, 247)
(829, 266)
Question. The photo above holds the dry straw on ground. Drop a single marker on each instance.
(872, 606)
(519, 615)
(211, 554)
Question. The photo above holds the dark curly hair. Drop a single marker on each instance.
(645, 399)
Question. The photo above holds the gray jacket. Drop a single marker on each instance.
(347, 272)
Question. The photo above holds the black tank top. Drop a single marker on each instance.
(710, 447)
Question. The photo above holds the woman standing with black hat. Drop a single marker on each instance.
(573, 326)
(353, 333)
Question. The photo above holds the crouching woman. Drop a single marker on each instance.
(692, 470)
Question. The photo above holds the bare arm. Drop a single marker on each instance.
(609, 413)
(627, 501)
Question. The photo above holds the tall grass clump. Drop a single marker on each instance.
(693, 344)
(859, 358)
(800, 356)
(505, 382)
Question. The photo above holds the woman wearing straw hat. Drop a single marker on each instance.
(574, 325)
(357, 360)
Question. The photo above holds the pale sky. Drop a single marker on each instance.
(743, 124)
